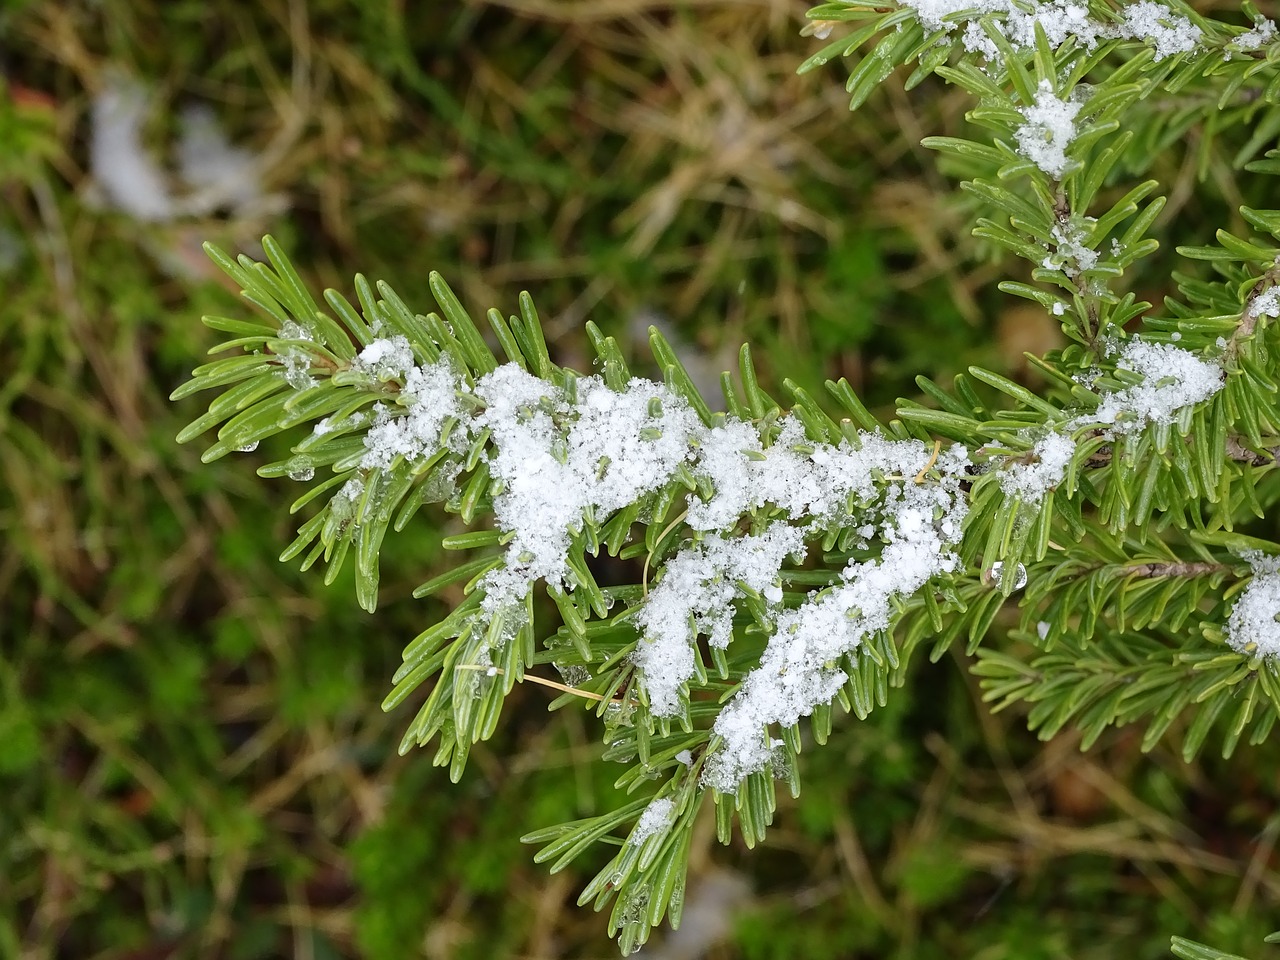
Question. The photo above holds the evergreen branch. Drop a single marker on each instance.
(798, 560)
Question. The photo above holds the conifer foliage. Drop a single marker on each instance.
(797, 552)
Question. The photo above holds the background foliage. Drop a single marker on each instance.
(192, 758)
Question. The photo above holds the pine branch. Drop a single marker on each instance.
(795, 559)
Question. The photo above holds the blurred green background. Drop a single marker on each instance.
(193, 762)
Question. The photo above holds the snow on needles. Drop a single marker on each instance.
(1173, 378)
(656, 819)
(560, 455)
(555, 459)
(1049, 130)
(428, 398)
(1262, 34)
(1031, 481)
(695, 596)
(1061, 20)
(1254, 625)
(799, 668)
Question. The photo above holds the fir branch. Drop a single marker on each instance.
(793, 560)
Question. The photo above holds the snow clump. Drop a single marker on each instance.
(1254, 625)
(1061, 21)
(1049, 130)
(555, 460)
(1262, 34)
(799, 668)
(1031, 481)
(1266, 304)
(696, 595)
(1173, 379)
(657, 817)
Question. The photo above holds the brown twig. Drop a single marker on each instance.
(1174, 569)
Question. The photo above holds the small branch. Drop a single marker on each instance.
(539, 680)
(1236, 450)
(1177, 569)
(1249, 317)
(644, 579)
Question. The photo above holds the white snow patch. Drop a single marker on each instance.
(656, 818)
(1061, 21)
(1031, 481)
(1262, 34)
(132, 180)
(799, 668)
(695, 596)
(1049, 130)
(555, 460)
(219, 173)
(1254, 624)
(1170, 33)
(211, 173)
(1266, 304)
(1174, 378)
(412, 427)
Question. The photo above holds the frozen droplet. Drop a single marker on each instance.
(998, 574)
(1042, 629)
(248, 447)
(822, 29)
(491, 672)
(300, 468)
(685, 757)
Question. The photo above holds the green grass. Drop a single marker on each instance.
(191, 752)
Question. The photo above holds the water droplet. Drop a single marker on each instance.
(572, 674)
(998, 575)
(248, 447)
(300, 468)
